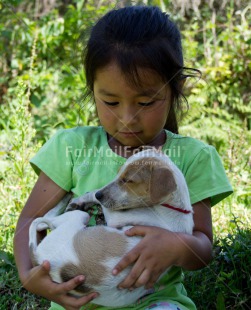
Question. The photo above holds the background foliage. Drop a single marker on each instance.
(42, 87)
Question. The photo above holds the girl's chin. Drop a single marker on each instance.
(128, 141)
(136, 139)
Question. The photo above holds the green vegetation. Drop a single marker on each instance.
(42, 87)
(225, 283)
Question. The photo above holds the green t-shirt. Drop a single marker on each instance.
(80, 160)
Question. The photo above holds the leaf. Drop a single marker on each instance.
(4, 257)
(220, 302)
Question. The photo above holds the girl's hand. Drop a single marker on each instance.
(160, 249)
(156, 252)
(38, 281)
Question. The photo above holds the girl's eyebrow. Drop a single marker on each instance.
(144, 93)
(106, 93)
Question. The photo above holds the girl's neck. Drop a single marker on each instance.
(127, 151)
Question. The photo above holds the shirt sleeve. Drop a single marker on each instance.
(206, 177)
(55, 160)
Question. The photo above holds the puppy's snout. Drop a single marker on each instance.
(99, 195)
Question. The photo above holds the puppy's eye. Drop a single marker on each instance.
(125, 181)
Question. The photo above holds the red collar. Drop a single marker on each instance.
(176, 209)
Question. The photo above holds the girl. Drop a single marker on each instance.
(134, 70)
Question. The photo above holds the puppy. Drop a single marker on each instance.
(149, 190)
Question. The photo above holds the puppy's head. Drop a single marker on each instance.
(142, 182)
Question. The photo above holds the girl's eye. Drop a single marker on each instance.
(146, 104)
(143, 104)
(111, 103)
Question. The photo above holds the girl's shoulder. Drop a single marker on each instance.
(188, 152)
(82, 131)
(202, 167)
(181, 145)
(185, 140)
(81, 135)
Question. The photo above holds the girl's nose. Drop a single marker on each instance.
(128, 114)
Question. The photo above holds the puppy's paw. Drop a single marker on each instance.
(78, 204)
(71, 207)
(75, 204)
(82, 203)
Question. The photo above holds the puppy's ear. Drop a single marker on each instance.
(162, 183)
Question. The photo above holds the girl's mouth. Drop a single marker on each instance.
(129, 133)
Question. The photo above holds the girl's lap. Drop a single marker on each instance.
(162, 306)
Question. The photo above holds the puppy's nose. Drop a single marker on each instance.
(99, 195)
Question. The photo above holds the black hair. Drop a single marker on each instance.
(138, 37)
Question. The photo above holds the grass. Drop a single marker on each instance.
(226, 282)
(12, 294)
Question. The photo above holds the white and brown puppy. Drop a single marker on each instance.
(149, 190)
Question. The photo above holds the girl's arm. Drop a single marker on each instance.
(44, 196)
(160, 249)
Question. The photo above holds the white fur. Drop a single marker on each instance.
(57, 246)
(112, 297)
(63, 229)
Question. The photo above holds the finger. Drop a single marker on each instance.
(127, 260)
(79, 302)
(150, 284)
(42, 269)
(45, 266)
(133, 276)
(71, 284)
(137, 231)
(154, 278)
(83, 300)
(143, 279)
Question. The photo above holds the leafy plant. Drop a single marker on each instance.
(17, 148)
(225, 283)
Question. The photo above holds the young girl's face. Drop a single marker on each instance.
(132, 116)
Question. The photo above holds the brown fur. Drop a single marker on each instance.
(149, 175)
(135, 177)
(161, 183)
(92, 243)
